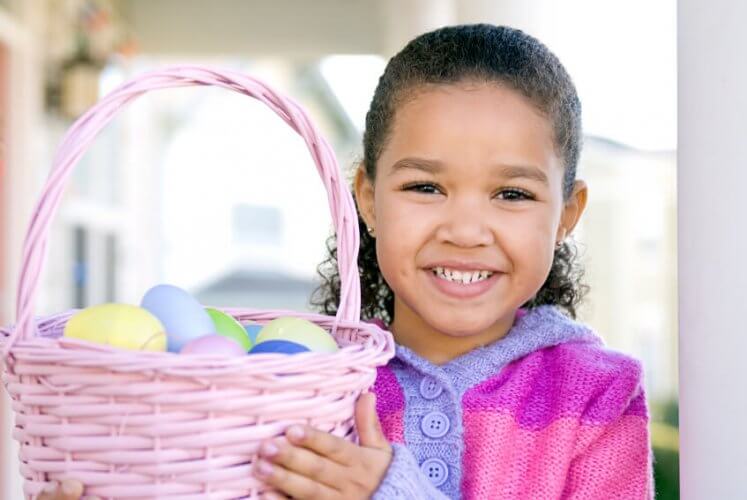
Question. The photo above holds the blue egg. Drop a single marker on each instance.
(278, 346)
(252, 330)
(182, 315)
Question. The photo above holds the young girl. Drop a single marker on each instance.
(467, 192)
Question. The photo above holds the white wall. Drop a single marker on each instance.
(712, 248)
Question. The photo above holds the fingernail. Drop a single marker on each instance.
(269, 449)
(264, 468)
(296, 433)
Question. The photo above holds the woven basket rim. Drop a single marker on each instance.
(377, 349)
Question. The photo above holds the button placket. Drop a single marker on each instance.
(432, 422)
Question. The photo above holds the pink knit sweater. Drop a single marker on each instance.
(546, 412)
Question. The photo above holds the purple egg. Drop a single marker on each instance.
(214, 344)
(278, 346)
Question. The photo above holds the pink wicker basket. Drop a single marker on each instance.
(161, 425)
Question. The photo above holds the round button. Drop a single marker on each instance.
(435, 424)
(430, 388)
(435, 470)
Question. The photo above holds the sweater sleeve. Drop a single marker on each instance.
(404, 479)
(618, 462)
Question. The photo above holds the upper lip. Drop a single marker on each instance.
(464, 265)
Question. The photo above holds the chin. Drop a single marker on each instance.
(466, 325)
(460, 327)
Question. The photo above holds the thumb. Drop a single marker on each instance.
(367, 423)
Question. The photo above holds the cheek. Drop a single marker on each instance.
(393, 256)
(400, 234)
(395, 247)
(394, 219)
(530, 242)
(530, 268)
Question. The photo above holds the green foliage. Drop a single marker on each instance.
(667, 473)
(665, 441)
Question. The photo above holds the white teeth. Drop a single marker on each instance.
(464, 277)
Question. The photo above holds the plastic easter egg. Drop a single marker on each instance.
(181, 315)
(119, 325)
(228, 327)
(252, 330)
(299, 331)
(214, 344)
(278, 346)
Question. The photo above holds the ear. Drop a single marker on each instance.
(364, 196)
(573, 209)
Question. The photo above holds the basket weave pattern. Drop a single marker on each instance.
(142, 424)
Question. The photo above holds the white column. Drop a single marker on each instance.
(21, 35)
(712, 248)
(23, 126)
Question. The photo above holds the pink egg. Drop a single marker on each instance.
(214, 344)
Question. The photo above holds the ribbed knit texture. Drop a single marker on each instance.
(546, 412)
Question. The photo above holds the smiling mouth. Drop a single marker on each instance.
(462, 277)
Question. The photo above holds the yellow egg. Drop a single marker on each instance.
(299, 331)
(119, 325)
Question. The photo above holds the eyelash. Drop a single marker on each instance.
(418, 188)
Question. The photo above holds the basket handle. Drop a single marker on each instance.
(87, 127)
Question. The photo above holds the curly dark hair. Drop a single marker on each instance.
(450, 55)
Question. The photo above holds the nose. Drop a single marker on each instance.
(465, 224)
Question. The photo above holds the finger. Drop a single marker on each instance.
(49, 492)
(321, 443)
(295, 485)
(67, 490)
(273, 496)
(303, 462)
(367, 423)
(70, 490)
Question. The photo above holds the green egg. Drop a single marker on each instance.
(228, 327)
(299, 331)
(119, 325)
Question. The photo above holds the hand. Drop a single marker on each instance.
(308, 463)
(67, 490)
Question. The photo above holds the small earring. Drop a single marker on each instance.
(372, 232)
(559, 244)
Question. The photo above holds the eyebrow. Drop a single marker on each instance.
(507, 171)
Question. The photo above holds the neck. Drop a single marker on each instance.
(439, 348)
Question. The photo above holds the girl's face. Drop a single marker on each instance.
(467, 208)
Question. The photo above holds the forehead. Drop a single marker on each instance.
(470, 123)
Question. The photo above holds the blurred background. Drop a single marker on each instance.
(211, 191)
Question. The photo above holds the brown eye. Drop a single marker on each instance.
(423, 187)
(514, 195)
